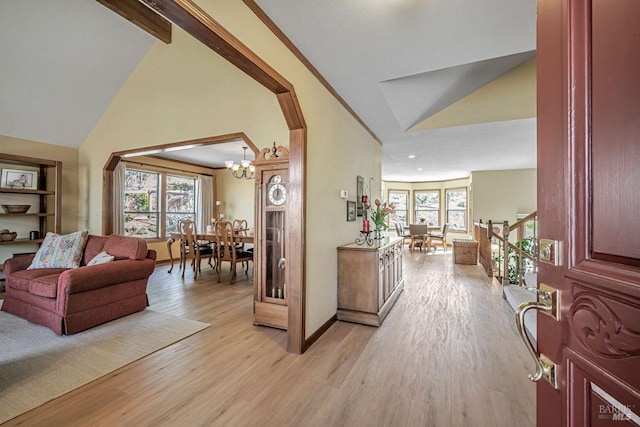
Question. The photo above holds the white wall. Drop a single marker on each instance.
(237, 197)
(502, 194)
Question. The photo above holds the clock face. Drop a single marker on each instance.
(277, 194)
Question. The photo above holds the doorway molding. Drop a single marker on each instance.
(117, 156)
(195, 21)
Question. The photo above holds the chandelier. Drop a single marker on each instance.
(243, 170)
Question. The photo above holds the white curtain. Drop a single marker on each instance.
(119, 180)
(204, 202)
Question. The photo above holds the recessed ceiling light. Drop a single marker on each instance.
(412, 156)
(419, 169)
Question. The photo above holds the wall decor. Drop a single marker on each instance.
(359, 193)
(19, 179)
(351, 210)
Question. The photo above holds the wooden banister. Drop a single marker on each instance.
(485, 233)
(524, 220)
(522, 253)
(482, 234)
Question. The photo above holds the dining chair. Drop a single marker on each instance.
(441, 237)
(227, 251)
(240, 228)
(191, 248)
(406, 236)
(419, 236)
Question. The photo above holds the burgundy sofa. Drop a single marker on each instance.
(72, 300)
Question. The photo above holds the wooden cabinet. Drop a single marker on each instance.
(370, 279)
(40, 189)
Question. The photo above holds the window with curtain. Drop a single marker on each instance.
(427, 206)
(401, 201)
(154, 202)
(457, 209)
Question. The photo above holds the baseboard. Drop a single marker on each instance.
(321, 330)
(166, 261)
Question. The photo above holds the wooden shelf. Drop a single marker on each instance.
(20, 191)
(19, 241)
(28, 214)
(45, 202)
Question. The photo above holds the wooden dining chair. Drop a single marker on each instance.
(240, 228)
(441, 237)
(191, 248)
(419, 236)
(227, 251)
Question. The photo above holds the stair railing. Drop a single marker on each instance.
(500, 265)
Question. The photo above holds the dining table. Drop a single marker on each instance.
(425, 239)
(431, 228)
(238, 236)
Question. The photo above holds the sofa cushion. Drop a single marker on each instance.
(95, 245)
(60, 251)
(102, 258)
(45, 286)
(125, 247)
(22, 278)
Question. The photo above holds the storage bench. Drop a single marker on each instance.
(465, 251)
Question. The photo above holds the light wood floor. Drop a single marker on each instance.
(447, 355)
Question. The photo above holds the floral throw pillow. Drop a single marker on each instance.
(60, 251)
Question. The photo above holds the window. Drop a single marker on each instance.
(457, 209)
(147, 213)
(141, 214)
(401, 201)
(180, 201)
(427, 206)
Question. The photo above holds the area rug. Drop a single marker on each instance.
(37, 366)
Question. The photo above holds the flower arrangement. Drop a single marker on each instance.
(379, 213)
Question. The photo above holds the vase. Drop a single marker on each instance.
(377, 233)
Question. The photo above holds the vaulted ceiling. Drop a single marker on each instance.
(451, 83)
(62, 64)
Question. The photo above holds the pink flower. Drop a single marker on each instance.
(377, 202)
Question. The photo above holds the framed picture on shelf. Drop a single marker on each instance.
(359, 193)
(351, 210)
(19, 179)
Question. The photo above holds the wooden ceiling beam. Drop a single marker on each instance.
(191, 18)
(142, 16)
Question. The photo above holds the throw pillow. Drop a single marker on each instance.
(101, 258)
(60, 251)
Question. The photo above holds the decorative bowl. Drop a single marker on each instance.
(16, 209)
(8, 236)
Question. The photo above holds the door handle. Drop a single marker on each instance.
(548, 302)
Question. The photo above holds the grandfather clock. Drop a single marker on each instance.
(270, 288)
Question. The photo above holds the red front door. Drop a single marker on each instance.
(589, 201)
